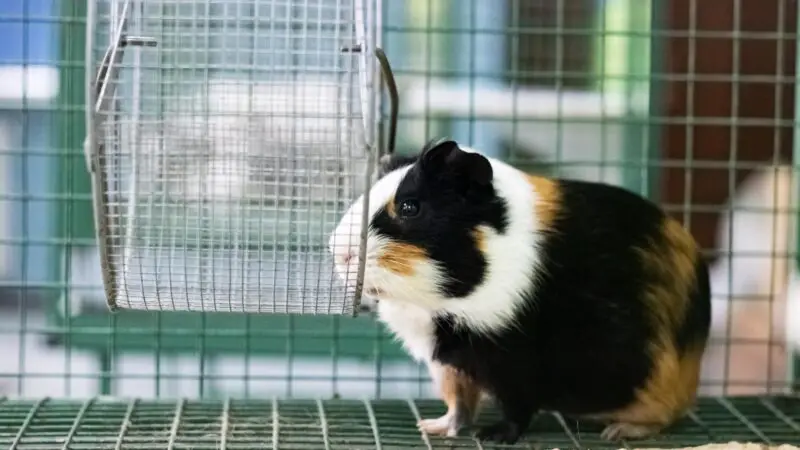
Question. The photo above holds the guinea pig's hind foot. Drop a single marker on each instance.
(625, 430)
(442, 426)
(502, 432)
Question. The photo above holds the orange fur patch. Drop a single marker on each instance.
(548, 200)
(400, 258)
(390, 208)
(458, 390)
(670, 258)
(672, 386)
(669, 392)
(480, 239)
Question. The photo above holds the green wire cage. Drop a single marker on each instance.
(689, 102)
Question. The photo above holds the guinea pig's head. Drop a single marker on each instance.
(429, 220)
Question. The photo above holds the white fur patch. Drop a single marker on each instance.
(413, 326)
(408, 303)
(513, 258)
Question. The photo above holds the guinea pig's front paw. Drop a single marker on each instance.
(443, 426)
(503, 432)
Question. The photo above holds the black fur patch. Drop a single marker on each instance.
(697, 324)
(453, 201)
(581, 345)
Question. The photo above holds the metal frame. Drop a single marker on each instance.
(100, 97)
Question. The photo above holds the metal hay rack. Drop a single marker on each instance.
(225, 141)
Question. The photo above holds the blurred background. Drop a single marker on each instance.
(689, 102)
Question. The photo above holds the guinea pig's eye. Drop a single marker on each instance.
(408, 208)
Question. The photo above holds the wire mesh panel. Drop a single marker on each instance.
(231, 136)
(718, 107)
(351, 424)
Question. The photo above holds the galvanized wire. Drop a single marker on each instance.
(351, 424)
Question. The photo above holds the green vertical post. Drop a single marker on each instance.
(69, 123)
(642, 56)
(75, 212)
(627, 57)
(74, 181)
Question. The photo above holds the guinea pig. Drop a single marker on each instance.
(409, 322)
(546, 294)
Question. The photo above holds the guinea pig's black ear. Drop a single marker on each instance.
(446, 155)
(436, 155)
(477, 168)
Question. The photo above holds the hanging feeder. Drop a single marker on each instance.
(225, 142)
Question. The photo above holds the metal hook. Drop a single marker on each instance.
(391, 86)
(387, 78)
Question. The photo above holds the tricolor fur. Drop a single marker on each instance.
(458, 253)
(548, 294)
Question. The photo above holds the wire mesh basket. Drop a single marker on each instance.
(225, 141)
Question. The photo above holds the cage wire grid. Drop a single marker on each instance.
(547, 61)
(99, 423)
(228, 143)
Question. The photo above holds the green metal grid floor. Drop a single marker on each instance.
(104, 423)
